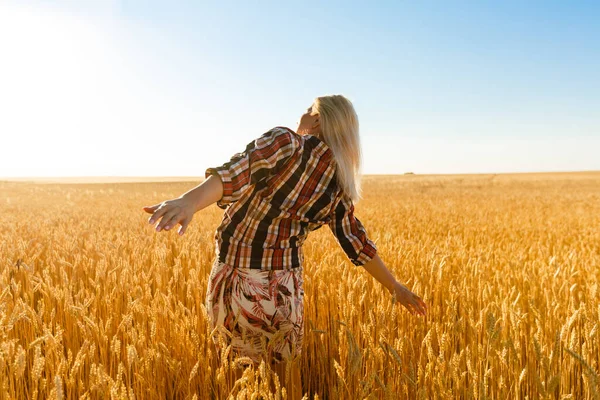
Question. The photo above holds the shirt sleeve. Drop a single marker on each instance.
(351, 234)
(261, 158)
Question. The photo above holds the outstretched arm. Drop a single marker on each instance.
(205, 194)
(362, 251)
(181, 210)
(378, 270)
(225, 183)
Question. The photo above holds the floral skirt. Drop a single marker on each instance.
(259, 313)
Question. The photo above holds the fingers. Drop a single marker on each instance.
(171, 213)
(169, 220)
(151, 209)
(419, 305)
(184, 225)
(164, 211)
(414, 310)
(157, 214)
(415, 305)
(422, 303)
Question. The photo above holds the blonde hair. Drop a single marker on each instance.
(339, 130)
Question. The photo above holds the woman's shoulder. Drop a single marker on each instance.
(286, 134)
(278, 138)
(285, 131)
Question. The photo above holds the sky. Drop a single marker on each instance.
(149, 88)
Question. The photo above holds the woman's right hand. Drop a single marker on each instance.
(173, 212)
(413, 303)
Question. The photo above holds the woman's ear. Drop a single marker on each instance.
(315, 128)
(316, 124)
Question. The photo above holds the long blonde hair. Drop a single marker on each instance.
(339, 130)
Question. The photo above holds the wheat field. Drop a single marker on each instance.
(95, 304)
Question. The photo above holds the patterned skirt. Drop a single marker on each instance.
(259, 313)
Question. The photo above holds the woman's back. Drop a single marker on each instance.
(282, 187)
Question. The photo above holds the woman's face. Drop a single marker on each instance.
(309, 124)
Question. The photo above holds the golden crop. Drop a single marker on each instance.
(94, 303)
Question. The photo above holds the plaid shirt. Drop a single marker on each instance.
(278, 190)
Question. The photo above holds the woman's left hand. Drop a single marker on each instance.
(413, 303)
(172, 212)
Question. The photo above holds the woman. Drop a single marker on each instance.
(284, 185)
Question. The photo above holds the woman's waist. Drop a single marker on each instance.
(239, 254)
(279, 233)
(256, 272)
